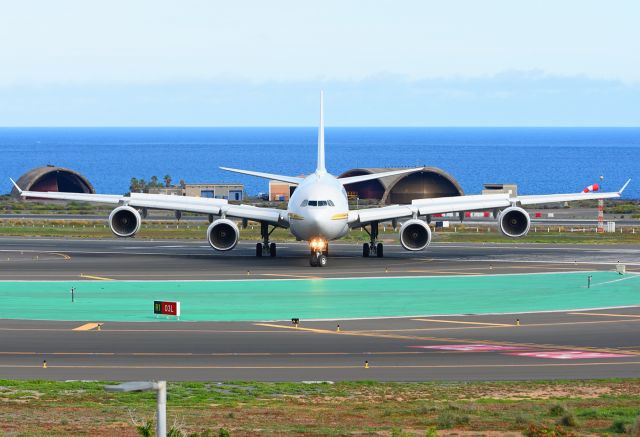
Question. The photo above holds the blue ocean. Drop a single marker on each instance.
(539, 160)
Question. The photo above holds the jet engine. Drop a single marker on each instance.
(514, 222)
(124, 221)
(415, 235)
(223, 234)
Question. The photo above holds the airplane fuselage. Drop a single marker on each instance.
(319, 208)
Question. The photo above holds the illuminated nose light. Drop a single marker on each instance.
(317, 244)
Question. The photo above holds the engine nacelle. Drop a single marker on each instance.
(415, 235)
(223, 234)
(125, 221)
(514, 222)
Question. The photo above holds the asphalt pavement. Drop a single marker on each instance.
(569, 344)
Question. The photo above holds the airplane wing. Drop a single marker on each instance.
(368, 177)
(422, 207)
(171, 203)
(275, 177)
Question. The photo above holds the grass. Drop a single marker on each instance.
(33, 408)
(196, 230)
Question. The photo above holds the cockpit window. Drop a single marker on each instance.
(304, 203)
(317, 203)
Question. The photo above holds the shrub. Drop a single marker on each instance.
(448, 419)
(544, 431)
(400, 433)
(619, 426)
(431, 432)
(145, 430)
(569, 419)
(523, 419)
(557, 410)
(635, 429)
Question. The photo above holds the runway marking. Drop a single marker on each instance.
(470, 347)
(528, 325)
(241, 275)
(440, 272)
(605, 314)
(288, 276)
(446, 339)
(63, 255)
(86, 327)
(216, 354)
(358, 366)
(97, 278)
(633, 276)
(207, 331)
(566, 355)
(463, 323)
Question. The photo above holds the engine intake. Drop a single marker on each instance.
(514, 222)
(223, 234)
(124, 221)
(415, 235)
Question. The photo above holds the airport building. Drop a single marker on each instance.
(280, 190)
(510, 189)
(52, 178)
(213, 191)
(427, 182)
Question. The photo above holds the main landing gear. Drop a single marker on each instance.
(319, 253)
(265, 248)
(374, 247)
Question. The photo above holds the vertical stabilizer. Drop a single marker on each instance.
(321, 168)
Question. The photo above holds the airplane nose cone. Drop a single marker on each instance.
(313, 220)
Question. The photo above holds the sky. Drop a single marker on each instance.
(380, 63)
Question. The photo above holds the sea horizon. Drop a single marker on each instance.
(564, 160)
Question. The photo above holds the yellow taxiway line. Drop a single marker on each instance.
(450, 340)
(605, 314)
(87, 327)
(293, 367)
(99, 278)
(463, 323)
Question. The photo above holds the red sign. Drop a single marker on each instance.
(167, 308)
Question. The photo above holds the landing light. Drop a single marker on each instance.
(317, 244)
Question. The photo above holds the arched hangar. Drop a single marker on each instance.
(428, 182)
(51, 178)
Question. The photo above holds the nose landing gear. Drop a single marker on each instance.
(374, 247)
(265, 248)
(319, 252)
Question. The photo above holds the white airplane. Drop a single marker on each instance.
(318, 211)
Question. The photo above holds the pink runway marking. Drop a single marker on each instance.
(471, 347)
(567, 355)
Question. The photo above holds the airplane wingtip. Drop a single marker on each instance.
(16, 185)
(624, 186)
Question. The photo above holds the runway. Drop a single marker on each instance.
(567, 344)
(68, 259)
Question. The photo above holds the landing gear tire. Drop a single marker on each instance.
(318, 260)
(366, 250)
(379, 250)
(322, 261)
(265, 248)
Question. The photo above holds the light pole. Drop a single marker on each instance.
(160, 387)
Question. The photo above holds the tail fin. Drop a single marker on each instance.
(320, 167)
